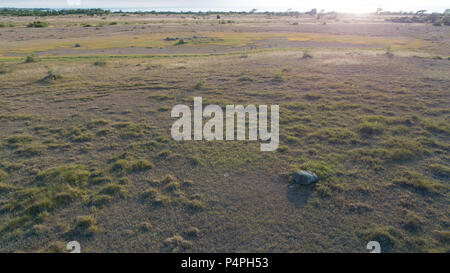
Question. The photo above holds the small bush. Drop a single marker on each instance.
(180, 42)
(100, 200)
(201, 84)
(50, 77)
(74, 175)
(85, 224)
(371, 127)
(167, 179)
(121, 165)
(31, 150)
(306, 55)
(20, 138)
(31, 59)
(113, 189)
(384, 236)
(192, 232)
(150, 194)
(195, 205)
(38, 24)
(82, 138)
(64, 198)
(412, 223)
(177, 243)
(100, 63)
(141, 165)
(172, 186)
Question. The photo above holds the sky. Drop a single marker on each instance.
(353, 6)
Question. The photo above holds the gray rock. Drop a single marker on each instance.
(304, 177)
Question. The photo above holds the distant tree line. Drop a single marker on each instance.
(413, 17)
(91, 12)
(51, 12)
(436, 19)
(56, 12)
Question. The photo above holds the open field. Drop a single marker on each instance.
(86, 152)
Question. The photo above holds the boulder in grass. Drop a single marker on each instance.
(304, 177)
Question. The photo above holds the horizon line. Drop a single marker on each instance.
(162, 10)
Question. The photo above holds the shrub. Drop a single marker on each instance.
(201, 84)
(177, 243)
(384, 236)
(38, 24)
(412, 223)
(64, 198)
(30, 59)
(195, 205)
(172, 186)
(20, 138)
(74, 175)
(121, 165)
(306, 55)
(180, 42)
(100, 63)
(50, 77)
(150, 194)
(113, 189)
(100, 200)
(31, 150)
(371, 127)
(141, 165)
(85, 224)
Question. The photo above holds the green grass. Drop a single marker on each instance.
(415, 181)
(96, 142)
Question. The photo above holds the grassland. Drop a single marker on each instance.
(86, 152)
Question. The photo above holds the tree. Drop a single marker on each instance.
(313, 12)
(420, 12)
